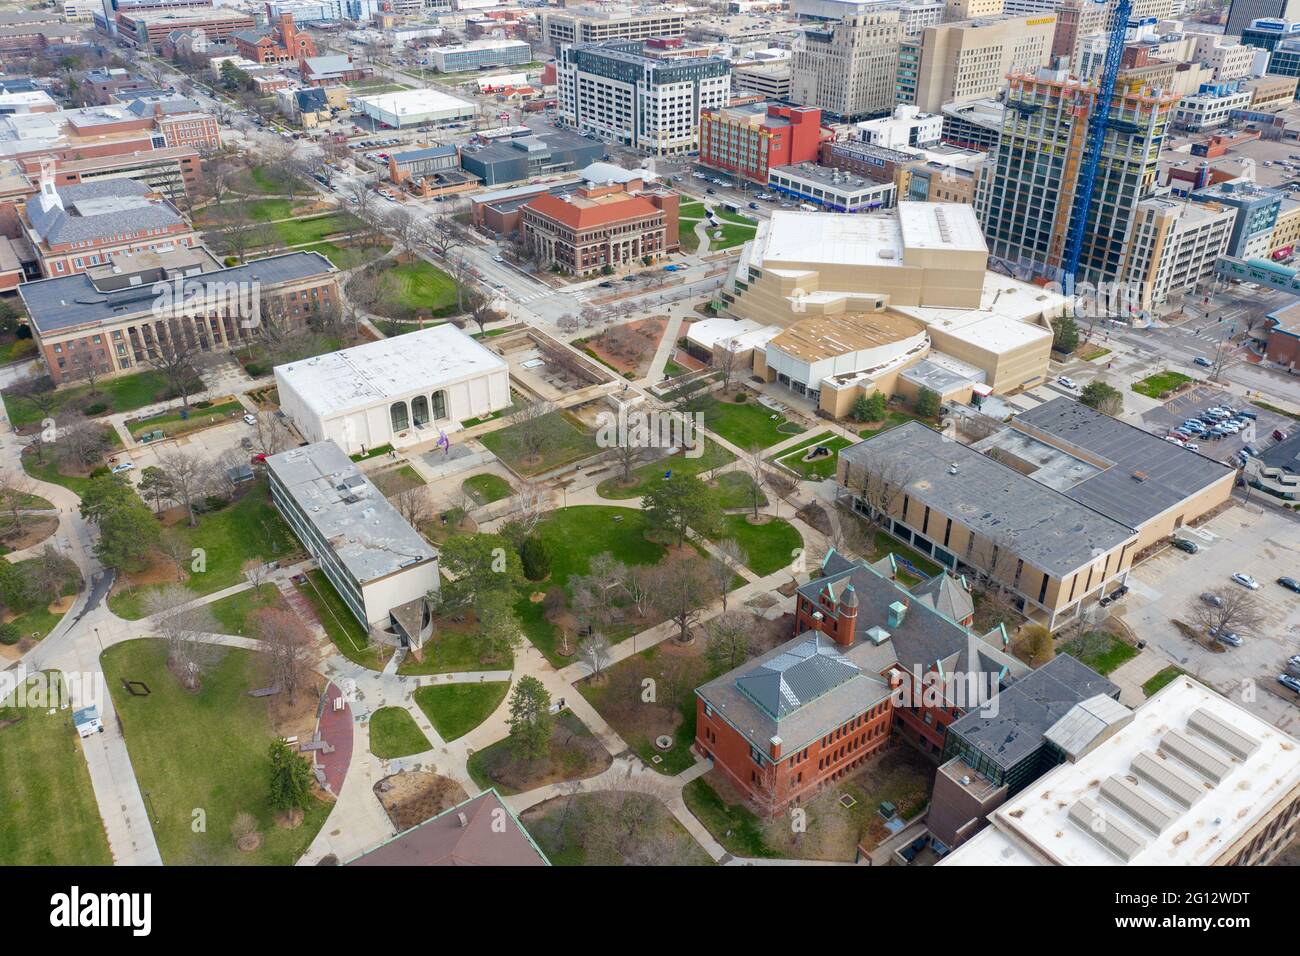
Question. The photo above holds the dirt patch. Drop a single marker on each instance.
(296, 717)
(411, 797)
(159, 570)
(814, 515)
(63, 605)
(574, 753)
(629, 347)
(34, 531)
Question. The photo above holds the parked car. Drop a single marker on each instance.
(1066, 382)
(1293, 660)
(753, 205)
(498, 259)
(1289, 682)
(1182, 544)
(711, 191)
(1211, 599)
(1279, 435)
(123, 466)
(1228, 637)
(1202, 361)
(1192, 446)
(1291, 584)
(258, 459)
(249, 419)
(1246, 413)
(1245, 580)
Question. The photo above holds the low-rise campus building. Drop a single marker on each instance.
(1188, 779)
(599, 227)
(398, 391)
(381, 567)
(1051, 509)
(114, 315)
(871, 662)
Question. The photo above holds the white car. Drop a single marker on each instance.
(498, 259)
(1245, 580)
(249, 419)
(124, 466)
(1192, 446)
(1066, 382)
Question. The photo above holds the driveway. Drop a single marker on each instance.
(1165, 587)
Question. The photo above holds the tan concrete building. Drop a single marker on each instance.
(965, 9)
(1053, 507)
(1286, 231)
(970, 59)
(848, 68)
(1272, 93)
(1175, 245)
(890, 303)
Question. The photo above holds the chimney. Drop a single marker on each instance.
(848, 617)
(897, 611)
(774, 748)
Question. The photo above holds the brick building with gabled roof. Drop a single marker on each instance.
(872, 662)
(602, 226)
(283, 44)
(479, 832)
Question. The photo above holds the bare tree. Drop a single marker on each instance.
(461, 271)
(190, 477)
(681, 589)
(236, 232)
(594, 652)
(174, 353)
(87, 368)
(1235, 611)
(271, 434)
(727, 361)
(289, 647)
(531, 504)
(183, 628)
(16, 491)
(724, 566)
(407, 229)
(640, 587)
(414, 505)
(879, 481)
(756, 470)
(81, 442)
(729, 640)
(533, 426)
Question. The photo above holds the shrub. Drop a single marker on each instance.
(742, 397)
(535, 555)
(203, 403)
(231, 261)
(97, 408)
(927, 403)
(99, 472)
(9, 634)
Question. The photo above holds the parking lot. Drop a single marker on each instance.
(1165, 588)
(1162, 420)
(208, 444)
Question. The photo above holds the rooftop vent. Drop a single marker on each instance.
(1217, 732)
(1117, 837)
(877, 634)
(897, 611)
(1179, 745)
(1172, 781)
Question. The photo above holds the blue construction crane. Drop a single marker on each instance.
(1097, 123)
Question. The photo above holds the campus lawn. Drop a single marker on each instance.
(37, 623)
(339, 623)
(345, 257)
(394, 733)
(892, 419)
(576, 535)
(486, 489)
(205, 750)
(48, 814)
(691, 210)
(48, 470)
(248, 529)
(734, 489)
(732, 235)
(268, 210)
(818, 468)
(768, 546)
(233, 611)
(296, 232)
(714, 456)
(747, 425)
(573, 753)
(456, 709)
(736, 827)
(687, 237)
(1100, 650)
(557, 828)
(125, 393)
(172, 424)
(261, 180)
(424, 288)
(566, 442)
(1154, 386)
(449, 650)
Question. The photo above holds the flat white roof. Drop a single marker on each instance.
(1176, 743)
(869, 240)
(414, 102)
(744, 333)
(1004, 318)
(365, 375)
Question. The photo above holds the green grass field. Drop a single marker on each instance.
(172, 424)
(486, 489)
(202, 757)
(892, 419)
(735, 490)
(456, 709)
(48, 814)
(747, 425)
(250, 528)
(339, 623)
(1100, 650)
(347, 257)
(768, 546)
(296, 232)
(233, 611)
(450, 650)
(394, 733)
(125, 393)
(714, 456)
(424, 288)
(819, 468)
(1162, 679)
(565, 443)
(1153, 386)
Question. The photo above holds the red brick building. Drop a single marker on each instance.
(1283, 330)
(598, 226)
(872, 663)
(750, 140)
(284, 44)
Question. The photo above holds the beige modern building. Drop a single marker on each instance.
(1175, 245)
(890, 303)
(848, 68)
(1286, 231)
(1053, 507)
(1272, 93)
(970, 59)
(598, 24)
(965, 9)
(1190, 779)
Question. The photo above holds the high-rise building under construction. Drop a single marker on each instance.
(1025, 200)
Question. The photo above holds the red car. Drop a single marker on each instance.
(259, 458)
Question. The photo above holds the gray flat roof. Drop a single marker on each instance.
(366, 533)
(1013, 729)
(70, 301)
(1046, 528)
(1172, 474)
